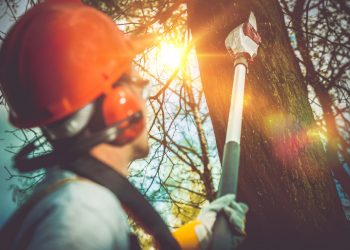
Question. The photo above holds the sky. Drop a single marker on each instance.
(7, 206)
(11, 140)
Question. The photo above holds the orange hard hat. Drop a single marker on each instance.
(60, 56)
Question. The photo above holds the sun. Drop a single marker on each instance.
(170, 55)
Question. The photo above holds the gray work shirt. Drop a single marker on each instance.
(76, 215)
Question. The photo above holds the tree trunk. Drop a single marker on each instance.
(324, 97)
(283, 173)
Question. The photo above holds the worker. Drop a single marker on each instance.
(65, 67)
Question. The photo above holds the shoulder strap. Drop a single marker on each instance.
(90, 168)
(10, 231)
(129, 196)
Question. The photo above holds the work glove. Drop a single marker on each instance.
(235, 213)
(198, 233)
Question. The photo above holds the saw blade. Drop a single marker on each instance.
(252, 20)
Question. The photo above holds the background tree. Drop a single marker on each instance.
(321, 34)
(284, 174)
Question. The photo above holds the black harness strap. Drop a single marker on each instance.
(129, 196)
(9, 232)
(88, 167)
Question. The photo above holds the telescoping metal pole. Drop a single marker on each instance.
(242, 43)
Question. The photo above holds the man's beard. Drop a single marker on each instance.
(141, 150)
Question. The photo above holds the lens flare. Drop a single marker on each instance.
(289, 138)
(170, 55)
(315, 134)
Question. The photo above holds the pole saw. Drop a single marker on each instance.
(242, 44)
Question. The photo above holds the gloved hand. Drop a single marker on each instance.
(235, 213)
(198, 233)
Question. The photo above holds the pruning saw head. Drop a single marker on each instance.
(244, 40)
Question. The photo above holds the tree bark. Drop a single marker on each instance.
(283, 175)
(324, 97)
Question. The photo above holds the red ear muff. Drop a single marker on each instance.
(118, 106)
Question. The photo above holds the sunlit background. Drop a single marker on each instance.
(171, 66)
(170, 55)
